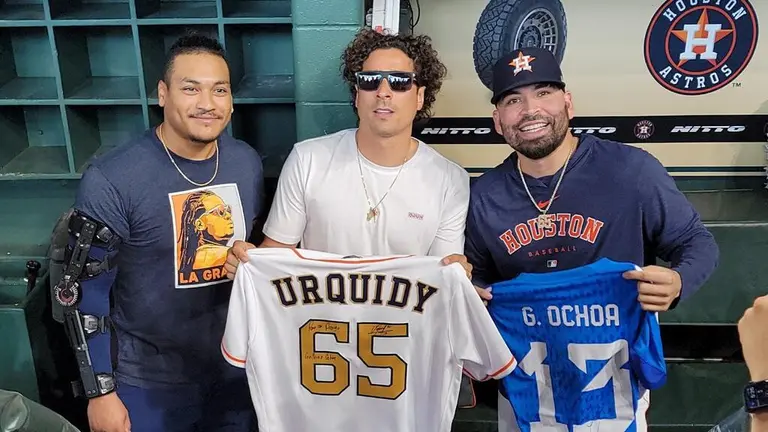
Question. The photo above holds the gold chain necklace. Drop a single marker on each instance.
(543, 221)
(373, 211)
(215, 172)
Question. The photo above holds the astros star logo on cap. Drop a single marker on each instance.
(522, 62)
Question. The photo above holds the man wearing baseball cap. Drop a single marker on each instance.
(562, 203)
(524, 68)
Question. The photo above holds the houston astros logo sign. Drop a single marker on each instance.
(694, 47)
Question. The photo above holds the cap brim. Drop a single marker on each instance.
(495, 99)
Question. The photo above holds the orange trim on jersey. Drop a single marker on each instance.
(471, 390)
(511, 362)
(350, 261)
(230, 356)
(469, 374)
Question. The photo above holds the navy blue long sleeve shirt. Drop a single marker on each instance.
(615, 201)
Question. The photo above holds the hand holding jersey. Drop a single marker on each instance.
(237, 253)
(379, 340)
(484, 293)
(657, 287)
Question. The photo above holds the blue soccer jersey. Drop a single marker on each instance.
(585, 349)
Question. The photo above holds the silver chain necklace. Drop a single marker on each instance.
(373, 211)
(543, 221)
(215, 172)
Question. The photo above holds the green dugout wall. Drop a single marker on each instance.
(79, 76)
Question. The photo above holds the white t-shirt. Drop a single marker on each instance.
(320, 201)
(324, 353)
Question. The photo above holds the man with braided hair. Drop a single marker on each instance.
(206, 229)
(164, 208)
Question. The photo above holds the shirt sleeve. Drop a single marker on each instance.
(287, 216)
(99, 199)
(476, 341)
(449, 238)
(483, 270)
(237, 331)
(674, 228)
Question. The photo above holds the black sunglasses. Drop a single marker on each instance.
(398, 81)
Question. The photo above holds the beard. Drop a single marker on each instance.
(541, 147)
(202, 140)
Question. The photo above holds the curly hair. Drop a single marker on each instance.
(430, 71)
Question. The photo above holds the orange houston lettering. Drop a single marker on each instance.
(565, 225)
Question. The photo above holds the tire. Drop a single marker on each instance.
(506, 25)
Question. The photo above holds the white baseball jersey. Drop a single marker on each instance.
(364, 344)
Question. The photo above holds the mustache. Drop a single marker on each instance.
(209, 113)
(529, 118)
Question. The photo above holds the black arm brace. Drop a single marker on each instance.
(77, 266)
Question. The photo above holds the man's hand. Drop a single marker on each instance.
(236, 254)
(108, 414)
(484, 294)
(657, 287)
(754, 339)
(461, 259)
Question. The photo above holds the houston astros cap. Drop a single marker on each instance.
(523, 67)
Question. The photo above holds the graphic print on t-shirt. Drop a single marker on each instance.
(206, 221)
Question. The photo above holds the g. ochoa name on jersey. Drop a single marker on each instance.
(594, 315)
(354, 288)
(694, 47)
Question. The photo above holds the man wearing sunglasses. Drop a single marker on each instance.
(374, 189)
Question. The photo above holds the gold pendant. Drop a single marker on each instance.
(372, 213)
(543, 221)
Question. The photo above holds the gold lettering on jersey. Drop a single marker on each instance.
(578, 315)
(354, 288)
(564, 225)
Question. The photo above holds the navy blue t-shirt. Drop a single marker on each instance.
(170, 293)
(616, 201)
